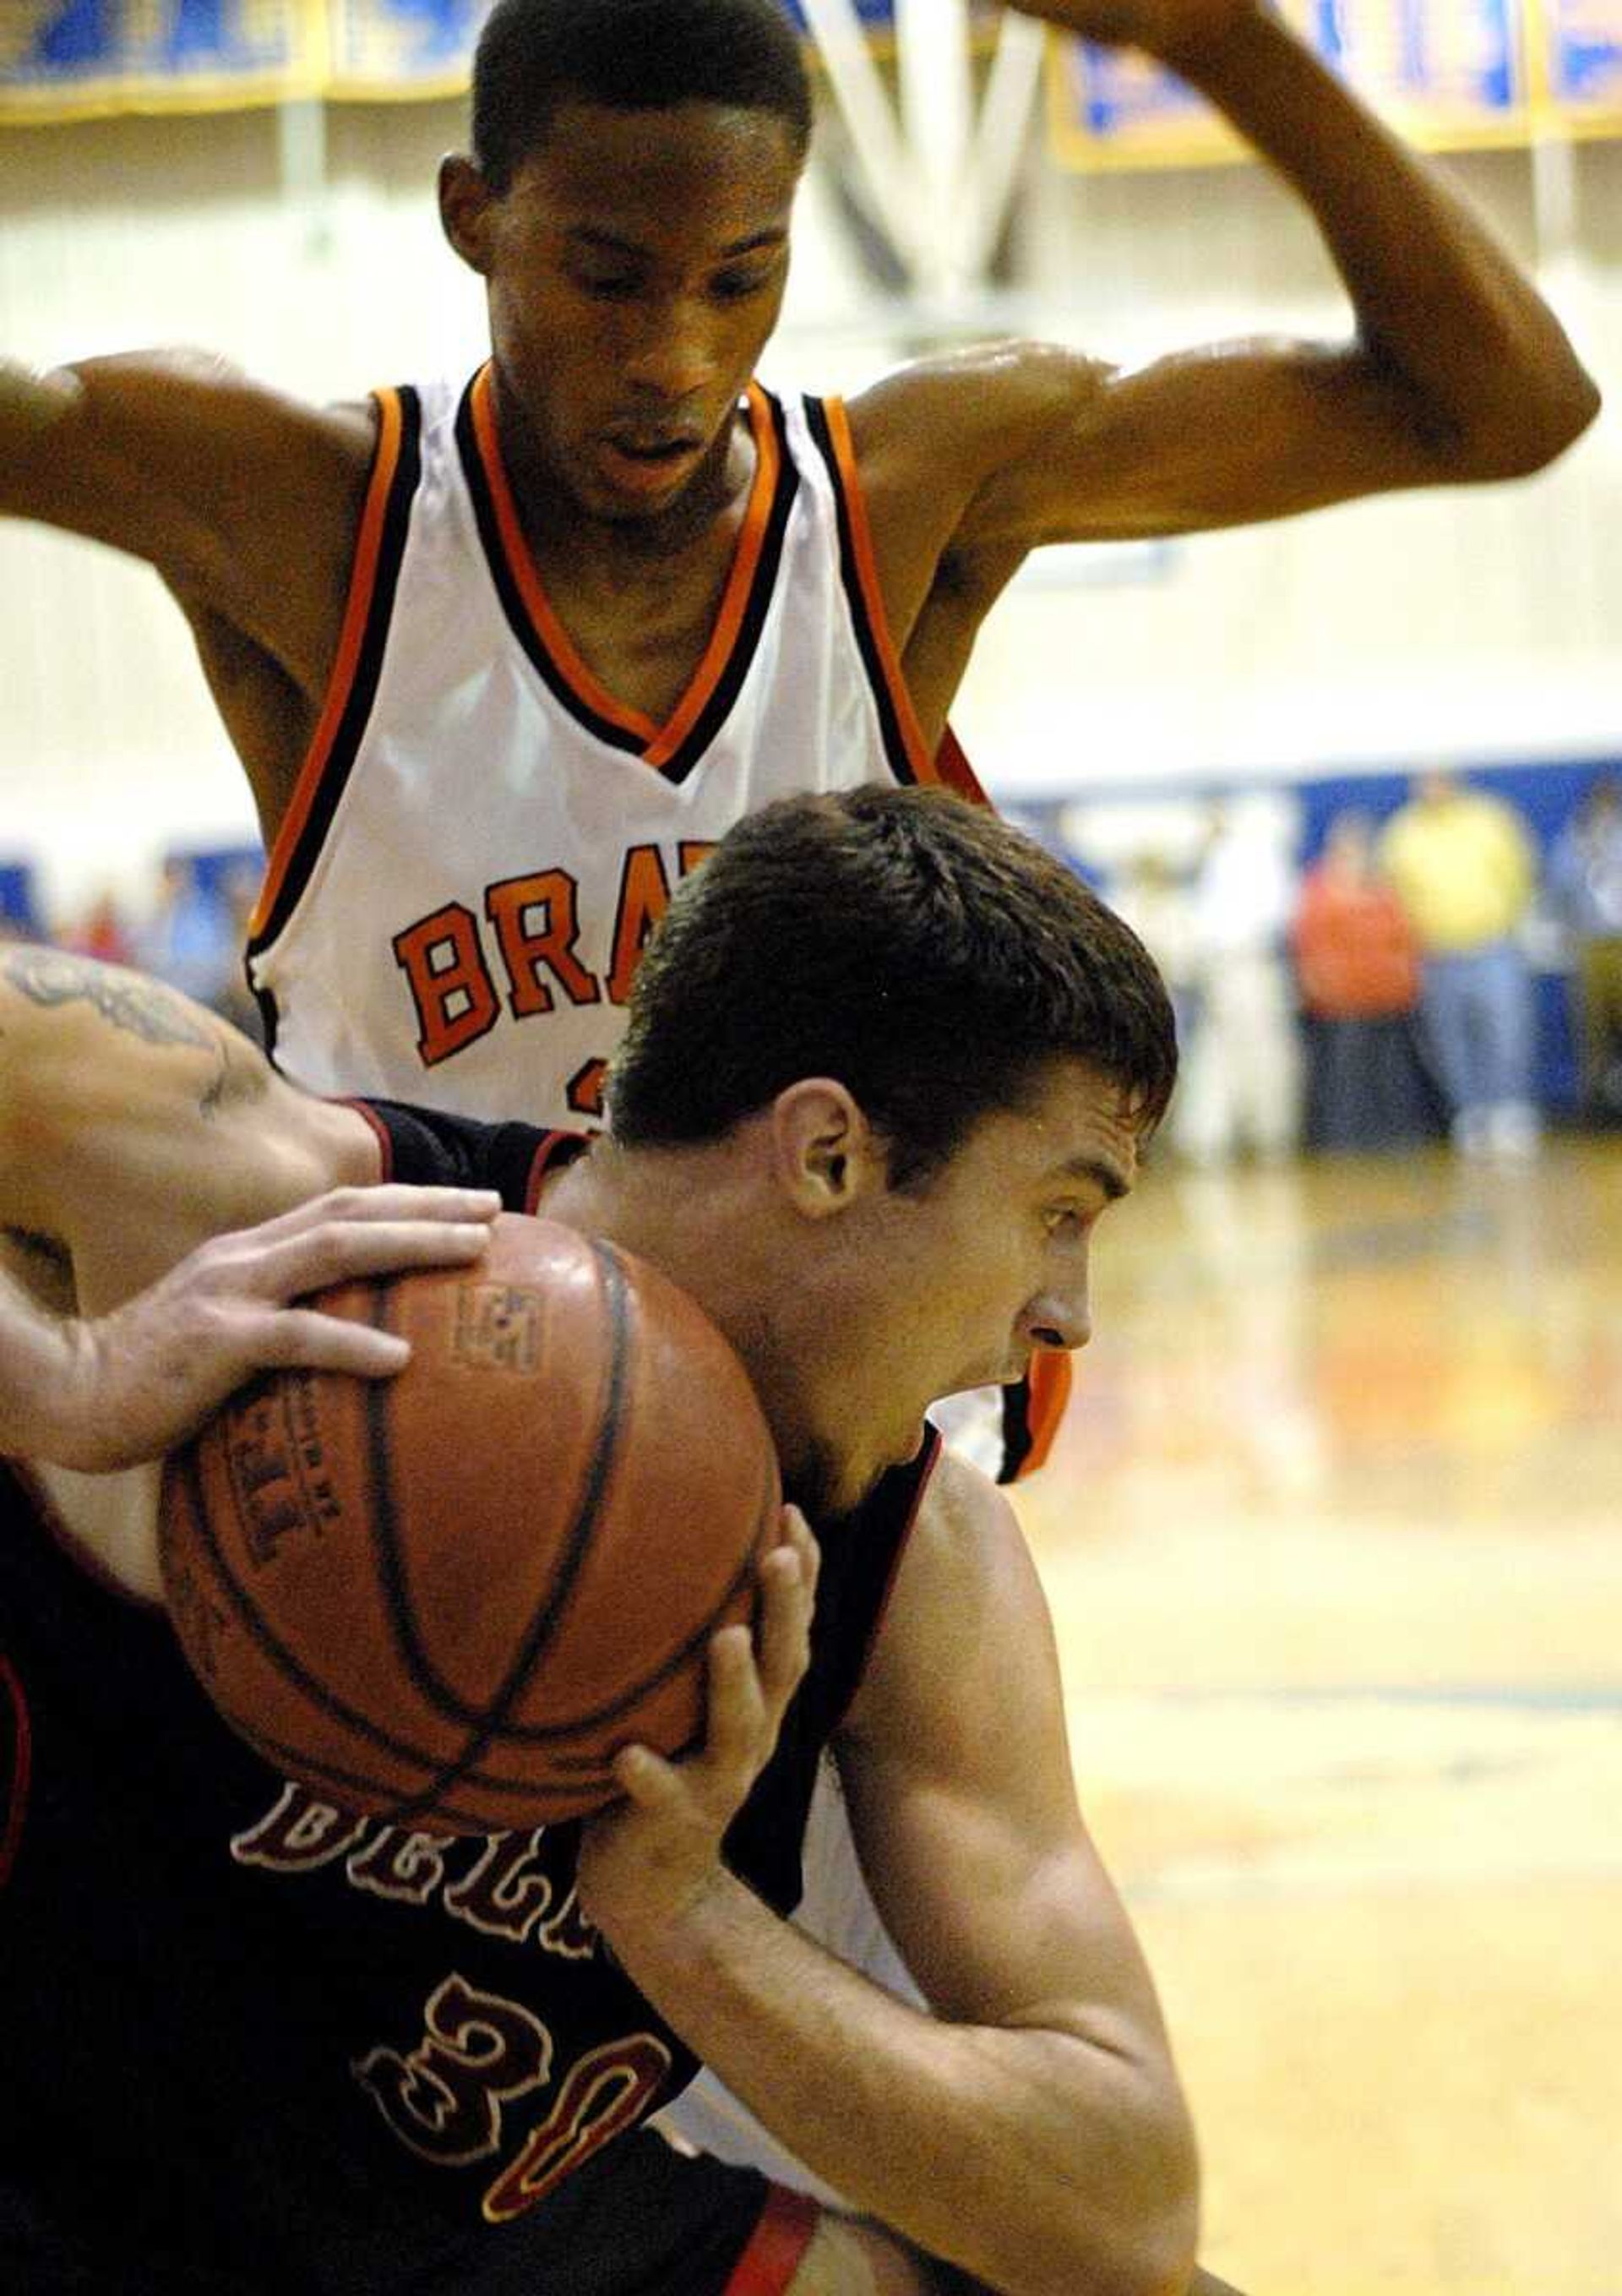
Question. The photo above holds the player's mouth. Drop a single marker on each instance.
(650, 465)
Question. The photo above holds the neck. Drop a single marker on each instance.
(568, 535)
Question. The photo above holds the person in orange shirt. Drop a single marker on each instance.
(1358, 965)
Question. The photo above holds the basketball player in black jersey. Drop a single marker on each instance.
(251, 2045)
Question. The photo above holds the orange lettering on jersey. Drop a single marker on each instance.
(536, 924)
(605, 2092)
(694, 849)
(644, 896)
(585, 1088)
(450, 987)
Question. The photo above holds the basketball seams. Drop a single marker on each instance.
(492, 1772)
(489, 1723)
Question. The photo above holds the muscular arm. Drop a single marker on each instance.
(165, 1195)
(1456, 370)
(246, 503)
(1031, 2130)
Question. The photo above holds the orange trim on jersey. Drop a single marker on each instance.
(661, 743)
(358, 609)
(740, 584)
(952, 767)
(1050, 1379)
(777, 2245)
(867, 574)
(551, 632)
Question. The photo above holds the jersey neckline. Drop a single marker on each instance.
(668, 747)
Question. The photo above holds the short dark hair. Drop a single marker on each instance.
(636, 56)
(932, 958)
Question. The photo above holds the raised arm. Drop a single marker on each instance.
(246, 502)
(1456, 369)
(1032, 2130)
(164, 1197)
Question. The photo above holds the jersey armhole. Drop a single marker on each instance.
(352, 685)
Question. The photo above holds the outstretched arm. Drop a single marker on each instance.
(1456, 370)
(165, 1200)
(1031, 2131)
(246, 502)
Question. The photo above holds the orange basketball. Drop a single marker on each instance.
(447, 1599)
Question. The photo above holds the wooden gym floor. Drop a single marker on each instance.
(1331, 1537)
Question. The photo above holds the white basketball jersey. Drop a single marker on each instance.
(482, 838)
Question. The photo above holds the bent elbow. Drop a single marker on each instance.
(1534, 433)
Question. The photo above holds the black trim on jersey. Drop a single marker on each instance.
(727, 687)
(890, 720)
(345, 746)
(719, 708)
(1019, 1437)
(618, 737)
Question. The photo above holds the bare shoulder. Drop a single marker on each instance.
(963, 416)
(966, 1617)
(244, 498)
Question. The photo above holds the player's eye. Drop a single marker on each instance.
(607, 286)
(736, 286)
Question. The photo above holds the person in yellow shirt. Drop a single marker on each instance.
(1464, 868)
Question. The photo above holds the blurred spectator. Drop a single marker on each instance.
(188, 940)
(1241, 1079)
(1463, 867)
(1585, 893)
(100, 933)
(1150, 894)
(1357, 963)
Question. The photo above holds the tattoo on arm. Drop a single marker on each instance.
(140, 1008)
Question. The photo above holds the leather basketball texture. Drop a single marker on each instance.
(449, 1598)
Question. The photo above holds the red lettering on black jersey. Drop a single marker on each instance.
(406, 1867)
(537, 924)
(443, 966)
(299, 1835)
(506, 1895)
(446, 2098)
(603, 2092)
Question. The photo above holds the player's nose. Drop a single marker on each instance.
(674, 359)
(1059, 1318)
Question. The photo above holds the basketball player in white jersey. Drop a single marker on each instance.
(504, 658)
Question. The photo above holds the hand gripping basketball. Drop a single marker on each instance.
(646, 1858)
(144, 1377)
(453, 1599)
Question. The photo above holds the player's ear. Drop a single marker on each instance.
(825, 1154)
(466, 211)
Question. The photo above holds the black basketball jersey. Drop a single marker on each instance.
(251, 2042)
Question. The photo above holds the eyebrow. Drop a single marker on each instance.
(1108, 1178)
(609, 243)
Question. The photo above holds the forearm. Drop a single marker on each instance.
(1436, 299)
(1044, 2163)
(37, 1359)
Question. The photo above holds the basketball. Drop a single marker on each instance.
(448, 1598)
